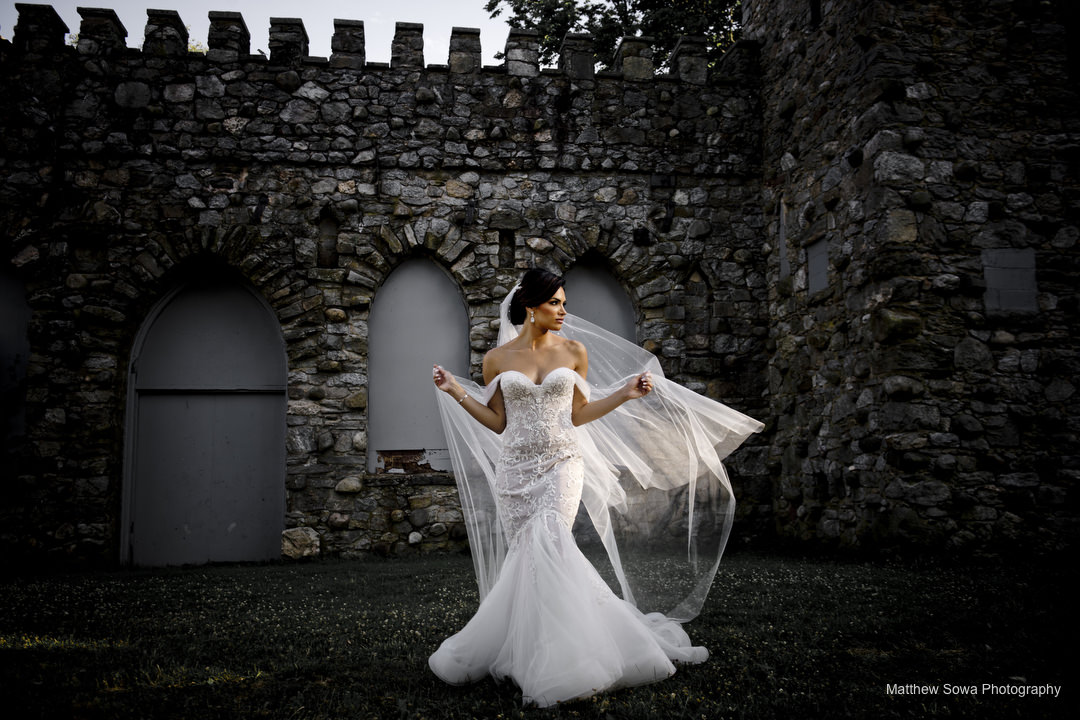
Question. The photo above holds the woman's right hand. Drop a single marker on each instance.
(446, 382)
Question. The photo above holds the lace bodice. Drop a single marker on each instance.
(538, 415)
(540, 467)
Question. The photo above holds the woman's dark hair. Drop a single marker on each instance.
(537, 287)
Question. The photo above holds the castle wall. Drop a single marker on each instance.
(860, 226)
(921, 189)
(126, 171)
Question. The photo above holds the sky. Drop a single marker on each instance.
(437, 17)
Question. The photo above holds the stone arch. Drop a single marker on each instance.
(609, 243)
(417, 317)
(594, 293)
(391, 243)
(170, 255)
(204, 471)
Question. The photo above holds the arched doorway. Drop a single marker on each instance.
(593, 293)
(417, 318)
(205, 471)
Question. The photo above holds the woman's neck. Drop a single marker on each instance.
(535, 338)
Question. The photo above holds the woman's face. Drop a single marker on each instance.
(550, 315)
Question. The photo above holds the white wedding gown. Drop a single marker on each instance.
(550, 622)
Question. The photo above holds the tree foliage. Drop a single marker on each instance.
(194, 46)
(610, 20)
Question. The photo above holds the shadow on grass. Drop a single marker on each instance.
(350, 639)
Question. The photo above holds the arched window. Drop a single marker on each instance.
(205, 471)
(417, 318)
(593, 293)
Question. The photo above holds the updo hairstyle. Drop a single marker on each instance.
(537, 287)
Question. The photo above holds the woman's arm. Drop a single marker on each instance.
(492, 416)
(586, 412)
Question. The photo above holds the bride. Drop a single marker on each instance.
(544, 442)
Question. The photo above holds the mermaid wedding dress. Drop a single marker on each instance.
(658, 510)
(550, 622)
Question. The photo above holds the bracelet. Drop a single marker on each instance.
(463, 398)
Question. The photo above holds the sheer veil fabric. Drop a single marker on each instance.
(657, 500)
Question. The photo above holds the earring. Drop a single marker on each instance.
(532, 317)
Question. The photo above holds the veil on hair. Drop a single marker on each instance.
(655, 488)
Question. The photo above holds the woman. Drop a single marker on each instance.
(547, 619)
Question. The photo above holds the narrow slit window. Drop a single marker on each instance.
(817, 266)
(785, 264)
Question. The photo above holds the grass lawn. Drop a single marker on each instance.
(789, 637)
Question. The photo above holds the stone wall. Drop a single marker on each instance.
(921, 185)
(860, 226)
(125, 170)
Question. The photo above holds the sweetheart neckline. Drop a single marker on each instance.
(543, 380)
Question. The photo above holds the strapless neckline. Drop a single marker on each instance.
(530, 380)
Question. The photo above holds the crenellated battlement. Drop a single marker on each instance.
(162, 100)
(40, 30)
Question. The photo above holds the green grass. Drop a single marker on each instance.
(349, 639)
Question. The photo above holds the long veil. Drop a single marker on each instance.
(656, 494)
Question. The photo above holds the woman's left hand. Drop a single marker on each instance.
(640, 386)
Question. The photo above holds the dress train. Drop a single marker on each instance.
(553, 626)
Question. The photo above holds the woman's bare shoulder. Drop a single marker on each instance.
(576, 347)
(496, 354)
(494, 360)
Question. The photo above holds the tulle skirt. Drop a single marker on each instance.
(552, 625)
